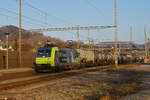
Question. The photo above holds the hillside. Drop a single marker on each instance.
(13, 30)
(29, 39)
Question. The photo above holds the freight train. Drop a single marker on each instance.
(53, 58)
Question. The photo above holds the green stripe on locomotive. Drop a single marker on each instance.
(46, 56)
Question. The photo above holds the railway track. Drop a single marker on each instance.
(36, 80)
(7, 85)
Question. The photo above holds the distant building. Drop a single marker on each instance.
(4, 48)
(1, 48)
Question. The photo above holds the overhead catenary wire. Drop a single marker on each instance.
(1, 14)
(39, 11)
(95, 7)
(25, 21)
(7, 16)
(46, 14)
(26, 17)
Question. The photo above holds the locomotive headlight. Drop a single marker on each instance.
(48, 62)
(38, 62)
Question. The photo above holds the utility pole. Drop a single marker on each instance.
(148, 49)
(7, 34)
(7, 52)
(19, 42)
(116, 34)
(131, 39)
(78, 41)
(88, 37)
(146, 55)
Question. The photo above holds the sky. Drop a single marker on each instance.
(67, 13)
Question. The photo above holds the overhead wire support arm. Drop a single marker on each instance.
(73, 28)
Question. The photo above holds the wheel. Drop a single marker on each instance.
(36, 69)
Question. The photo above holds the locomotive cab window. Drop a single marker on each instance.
(44, 52)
